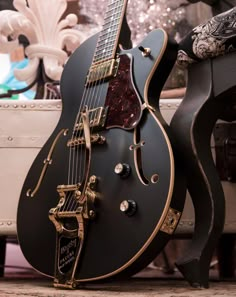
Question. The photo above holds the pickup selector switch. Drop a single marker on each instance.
(128, 207)
(122, 169)
(146, 51)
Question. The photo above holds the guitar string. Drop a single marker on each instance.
(72, 156)
(92, 87)
(76, 153)
(96, 93)
(84, 99)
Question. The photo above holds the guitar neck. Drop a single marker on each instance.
(109, 35)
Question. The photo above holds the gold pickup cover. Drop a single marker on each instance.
(102, 70)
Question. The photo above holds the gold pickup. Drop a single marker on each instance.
(77, 141)
(97, 118)
(102, 70)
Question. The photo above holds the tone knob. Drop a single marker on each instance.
(122, 169)
(128, 207)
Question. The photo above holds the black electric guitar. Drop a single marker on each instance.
(103, 196)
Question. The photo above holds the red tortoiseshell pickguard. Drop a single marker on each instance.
(124, 104)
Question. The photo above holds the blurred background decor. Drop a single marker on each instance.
(176, 17)
(48, 39)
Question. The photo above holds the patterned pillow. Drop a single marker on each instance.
(215, 37)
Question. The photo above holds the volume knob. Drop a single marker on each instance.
(122, 169)
(128, 207)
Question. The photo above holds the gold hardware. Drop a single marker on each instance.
(62, 252)
(88, 198)
(171, 220)
(102, 70)
(46, 162)
(136, 146)
(72, 234)
(77, 141)
(146, 51)
(96, 118)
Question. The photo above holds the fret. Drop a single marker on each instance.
(112, 15)
(111, 23)
(112, 3)
(105, 40)
(103, 57)
(108, 49)
(99, 60)
(109, 35)
(115, 21)
(108, 44)
(121, 5)
(111, 11)
(105, 51)
(113, 27)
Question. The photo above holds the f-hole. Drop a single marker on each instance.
(137, 148)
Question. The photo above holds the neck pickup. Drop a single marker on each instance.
(102, 70)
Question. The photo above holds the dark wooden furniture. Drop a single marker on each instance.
(2, 254)
(210, 86)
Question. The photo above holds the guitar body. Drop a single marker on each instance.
(117, 242)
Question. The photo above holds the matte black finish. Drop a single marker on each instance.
(116, 244)
(211, 84)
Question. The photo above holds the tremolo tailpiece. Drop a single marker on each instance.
(71, 215)
(71, 229)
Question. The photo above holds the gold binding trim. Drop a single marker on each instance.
(47, 162)
(171, 221)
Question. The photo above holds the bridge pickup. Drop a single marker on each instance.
(97, 118)
(77, 141)
(102, 70)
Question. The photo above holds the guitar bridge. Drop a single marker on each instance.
(77, 141)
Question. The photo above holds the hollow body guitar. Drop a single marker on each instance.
(104, 195)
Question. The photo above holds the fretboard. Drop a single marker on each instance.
(109, 35)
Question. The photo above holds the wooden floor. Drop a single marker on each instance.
(135, 287)
(21, 280)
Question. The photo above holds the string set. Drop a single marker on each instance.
(92, 96)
